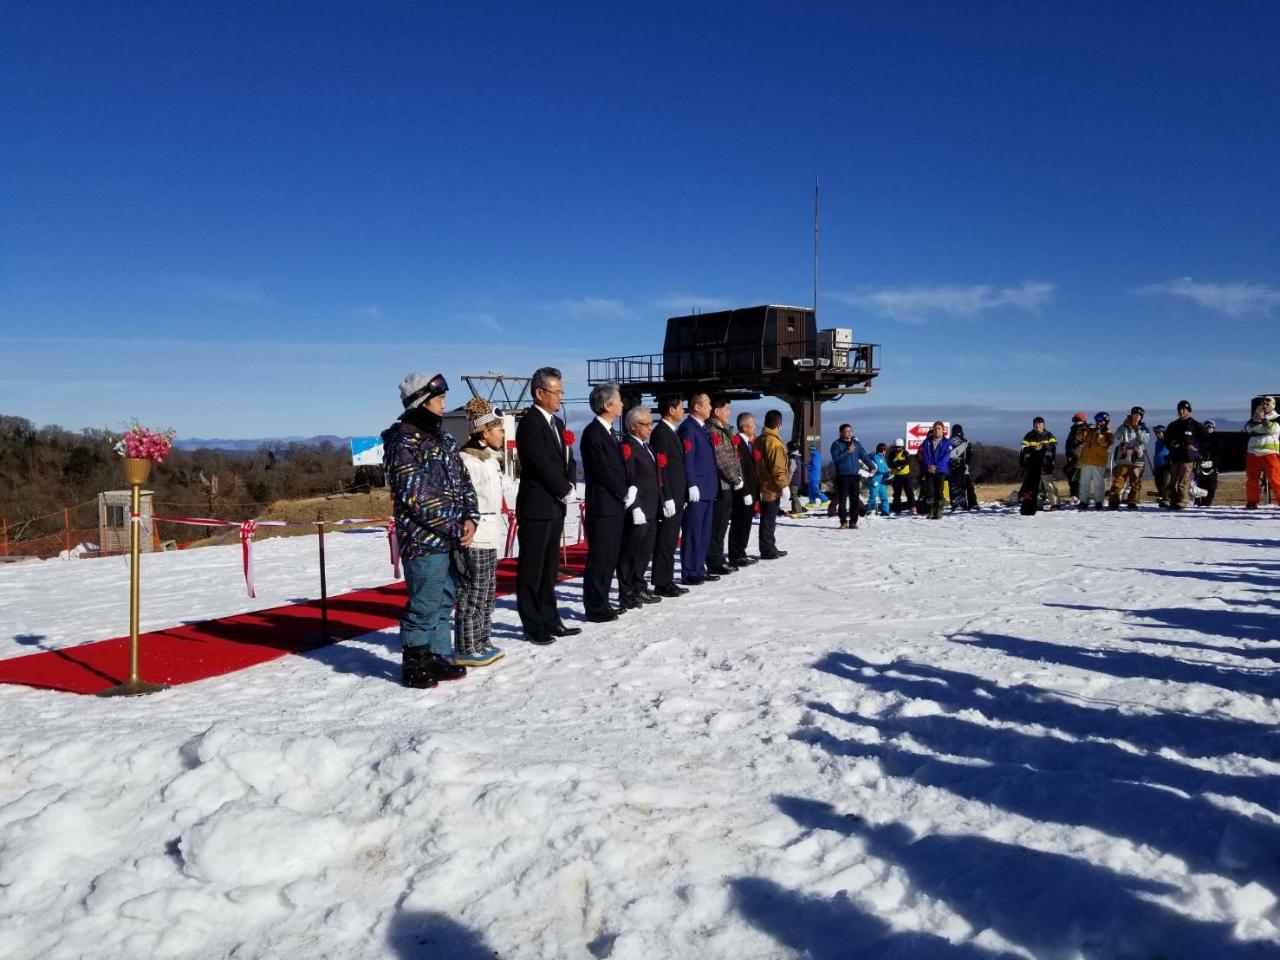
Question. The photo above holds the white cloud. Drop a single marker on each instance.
(920, 303)
(1233, 299)
(592, 308)
(370, 312)
(241, 293)
(485, 321)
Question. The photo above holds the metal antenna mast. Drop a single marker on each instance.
(815, 246)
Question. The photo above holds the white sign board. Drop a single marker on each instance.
(366, 451)
(917, 430)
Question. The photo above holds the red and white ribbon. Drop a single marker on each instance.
(247, 530)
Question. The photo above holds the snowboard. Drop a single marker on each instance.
(1029, 492)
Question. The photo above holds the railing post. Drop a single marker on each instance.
(66, 529)
(4, 536)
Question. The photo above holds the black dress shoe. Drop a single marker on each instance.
(773, 556)
(648, 597)
(540, 639)
(692, 582)
(671, 590)
(630, 602)
(563, 631)
(710, 577)
(602, 616)
(720, 569)
(743, 561)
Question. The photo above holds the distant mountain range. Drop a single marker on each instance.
(249, 445)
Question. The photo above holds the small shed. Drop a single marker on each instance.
(113, 522)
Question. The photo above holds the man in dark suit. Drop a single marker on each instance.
(547, 483)
(608, 498)
(669, 453)
(703, 485)
(744, 499)
(642, 519)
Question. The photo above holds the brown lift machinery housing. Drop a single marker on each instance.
(747, 353)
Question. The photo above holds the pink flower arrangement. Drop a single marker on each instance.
(143, 444)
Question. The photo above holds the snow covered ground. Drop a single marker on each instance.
(991, 736)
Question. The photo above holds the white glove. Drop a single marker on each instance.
(746, 500)
(571, 496)
(637, 517)
(630, 498)
(738, 485)
(668, 508)
(694, 495)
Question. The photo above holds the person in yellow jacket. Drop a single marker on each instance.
(1095, 459)
(772, 469)
(900, 468)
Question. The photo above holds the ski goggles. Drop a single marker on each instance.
(436, 386)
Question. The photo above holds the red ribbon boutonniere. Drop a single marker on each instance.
(688, 445)
(626, 451)
(568, 438)
(737, 440)
(662, 460)
(715, 439)
(755, 454)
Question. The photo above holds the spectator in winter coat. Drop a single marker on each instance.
(960, 479)
(729, 469)
(1262, 458)
(935, 460)
(1039, 448)
(1160, 465)
(1072, 450)
(1129, 460)
(1206, 476)
(848, 456)
(796, 478)
(477, 565)
(744, 499)
(1183, 437)
(436, 513)
(1095, 455)
(900, 466)
(878, 485)
(773, 474)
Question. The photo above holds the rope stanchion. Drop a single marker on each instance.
(4, 537)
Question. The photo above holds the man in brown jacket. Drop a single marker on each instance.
(729, 472)
(771, 466)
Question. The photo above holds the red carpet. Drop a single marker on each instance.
(210, 648)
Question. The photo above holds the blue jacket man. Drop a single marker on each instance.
(935, 461)
(703, 485)
(847, 456)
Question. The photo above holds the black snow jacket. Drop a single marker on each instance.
(1184, 439)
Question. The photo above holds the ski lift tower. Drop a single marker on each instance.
(748, 353)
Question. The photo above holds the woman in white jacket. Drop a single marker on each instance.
(477, 565)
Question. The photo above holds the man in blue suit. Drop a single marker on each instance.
(703, 485)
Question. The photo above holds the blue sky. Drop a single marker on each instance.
(252, 219)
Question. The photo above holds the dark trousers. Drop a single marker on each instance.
(604, 543)
(720, 515)
(963, 493)
(695, 530)
(931, 489)
(536, 571)
(742, 514)
(846, 492)
(1208, 482)
(637, 548)
(1162, 481)
(768, 526)
(902, 485)
(664, 550)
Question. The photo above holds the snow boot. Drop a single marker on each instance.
(413, 668)
(438, 668)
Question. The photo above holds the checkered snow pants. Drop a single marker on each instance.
(477, 582)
